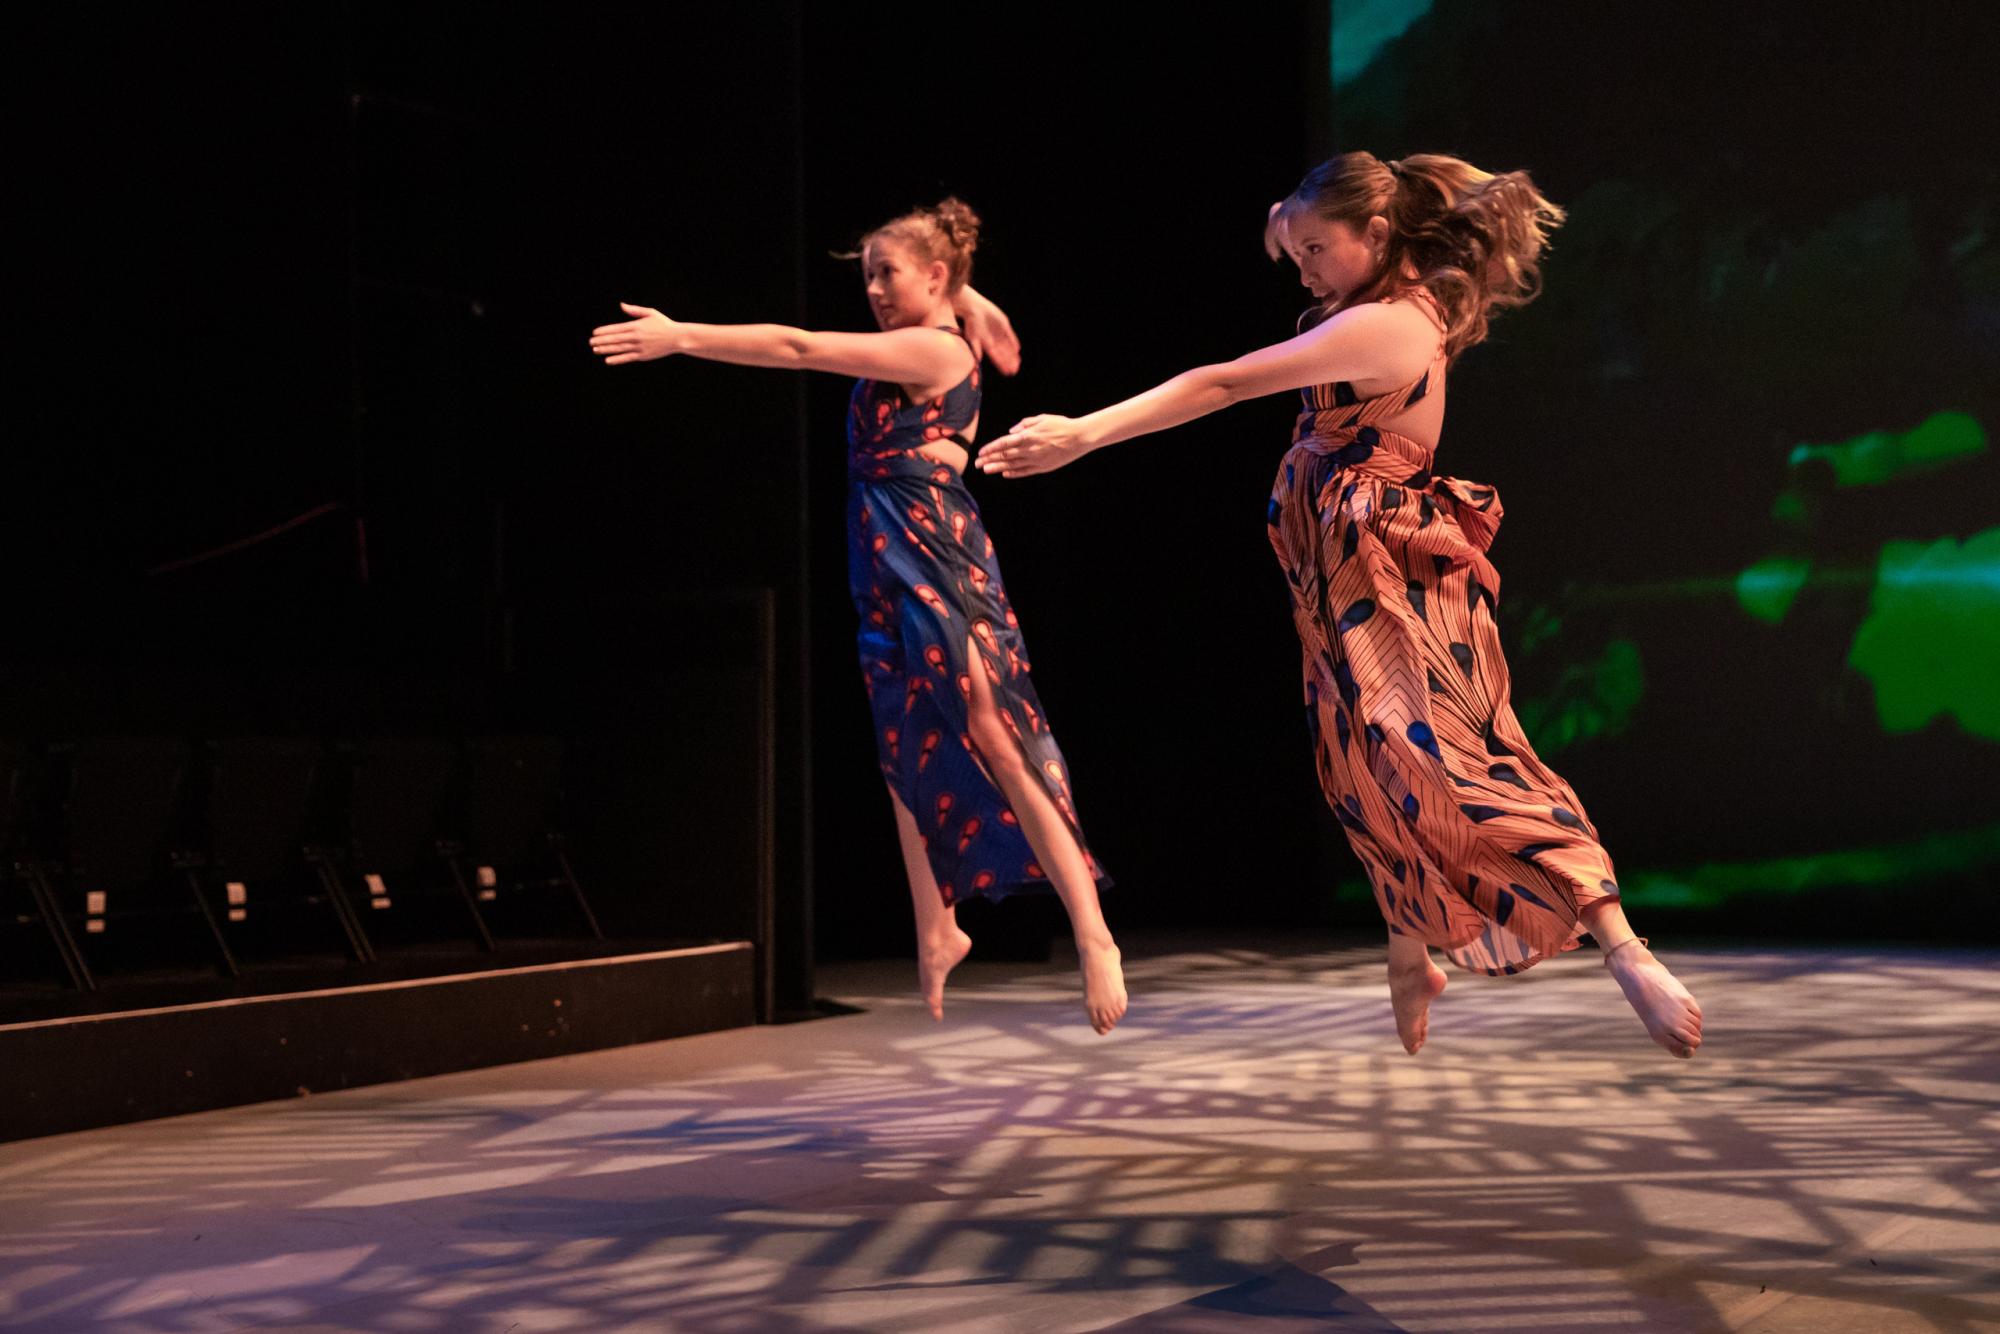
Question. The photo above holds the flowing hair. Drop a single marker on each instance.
(1474, 239)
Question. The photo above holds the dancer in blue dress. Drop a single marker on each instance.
(980, 791)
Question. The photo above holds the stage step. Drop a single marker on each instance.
(77, 1071)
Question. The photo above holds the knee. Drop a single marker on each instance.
(996, 745)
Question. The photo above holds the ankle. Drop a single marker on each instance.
(1623, 951)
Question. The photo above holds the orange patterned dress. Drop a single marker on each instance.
(1471, 844)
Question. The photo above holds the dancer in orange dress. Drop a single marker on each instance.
(1472, 844)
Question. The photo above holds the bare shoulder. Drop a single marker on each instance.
(1408, 316)
(1401, 336)
(937, 348)
(946, 358)
(958, 352)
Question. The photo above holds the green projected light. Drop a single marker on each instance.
(1361, 28)
(1913, 862)
(1825, 615)
(1790, 508)
(1767, 588)
(1944, 438)
(1931, 643)
(1589, 699)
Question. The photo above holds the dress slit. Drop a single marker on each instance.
(926, 582)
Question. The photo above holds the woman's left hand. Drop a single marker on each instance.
(647, 337)
(1036, 444)
(988, 330)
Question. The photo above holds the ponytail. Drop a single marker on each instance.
(1473, 239)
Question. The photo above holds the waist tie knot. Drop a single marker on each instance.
(1394, 477)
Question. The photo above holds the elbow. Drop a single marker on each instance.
(795, 348)
(1220, 385)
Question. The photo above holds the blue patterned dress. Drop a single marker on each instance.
(925, 582)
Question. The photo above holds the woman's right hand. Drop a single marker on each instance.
(647, 337)
(1041, 443)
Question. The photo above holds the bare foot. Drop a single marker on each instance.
(1670, 1014)
(1103, 985)
(1411, 991)
(935, 960)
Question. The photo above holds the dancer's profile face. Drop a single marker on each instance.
(1335, 259)
(902, 289)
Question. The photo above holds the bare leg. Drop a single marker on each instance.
(1670, 1013)
(1055, 848)
(1414, 982)
(940, 944)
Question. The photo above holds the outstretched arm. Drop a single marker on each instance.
(1366, 343)
(906, 356)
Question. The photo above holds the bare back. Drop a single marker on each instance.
(1423, 420)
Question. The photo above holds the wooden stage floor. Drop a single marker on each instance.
(1249, 1151)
